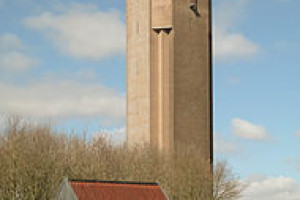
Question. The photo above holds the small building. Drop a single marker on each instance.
(71, 189)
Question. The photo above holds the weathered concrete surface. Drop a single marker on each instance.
(169, 75)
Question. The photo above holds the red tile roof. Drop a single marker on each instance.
(98, 190)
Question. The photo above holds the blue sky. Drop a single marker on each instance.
(67, 61)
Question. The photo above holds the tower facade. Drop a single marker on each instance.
(169, 75)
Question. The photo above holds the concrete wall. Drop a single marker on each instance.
(161, 13)
(169, 99)
(65, 192)
(192, 77)
(138, 72)
(162, 90)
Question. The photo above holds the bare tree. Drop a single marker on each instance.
(226, 186)
(34, 160)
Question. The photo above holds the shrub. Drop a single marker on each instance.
(34, 160)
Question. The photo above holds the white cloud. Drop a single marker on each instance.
(82, 31)
(12, 56)
(10, 42)
(224, 146)
(62, 99)
(272, 188)
(245, 129)
(117, 136)
(231, 45)
(297, 133)
(7, 120)
(16, 61)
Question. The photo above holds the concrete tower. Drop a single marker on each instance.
(169, 70)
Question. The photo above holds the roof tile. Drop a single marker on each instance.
(98, 190)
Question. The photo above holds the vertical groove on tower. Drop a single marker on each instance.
(160, 80)
(173, 89)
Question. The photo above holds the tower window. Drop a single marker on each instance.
(194, 7)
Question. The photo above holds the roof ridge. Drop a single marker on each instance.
(118, 182)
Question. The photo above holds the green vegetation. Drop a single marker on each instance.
(34, 160)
